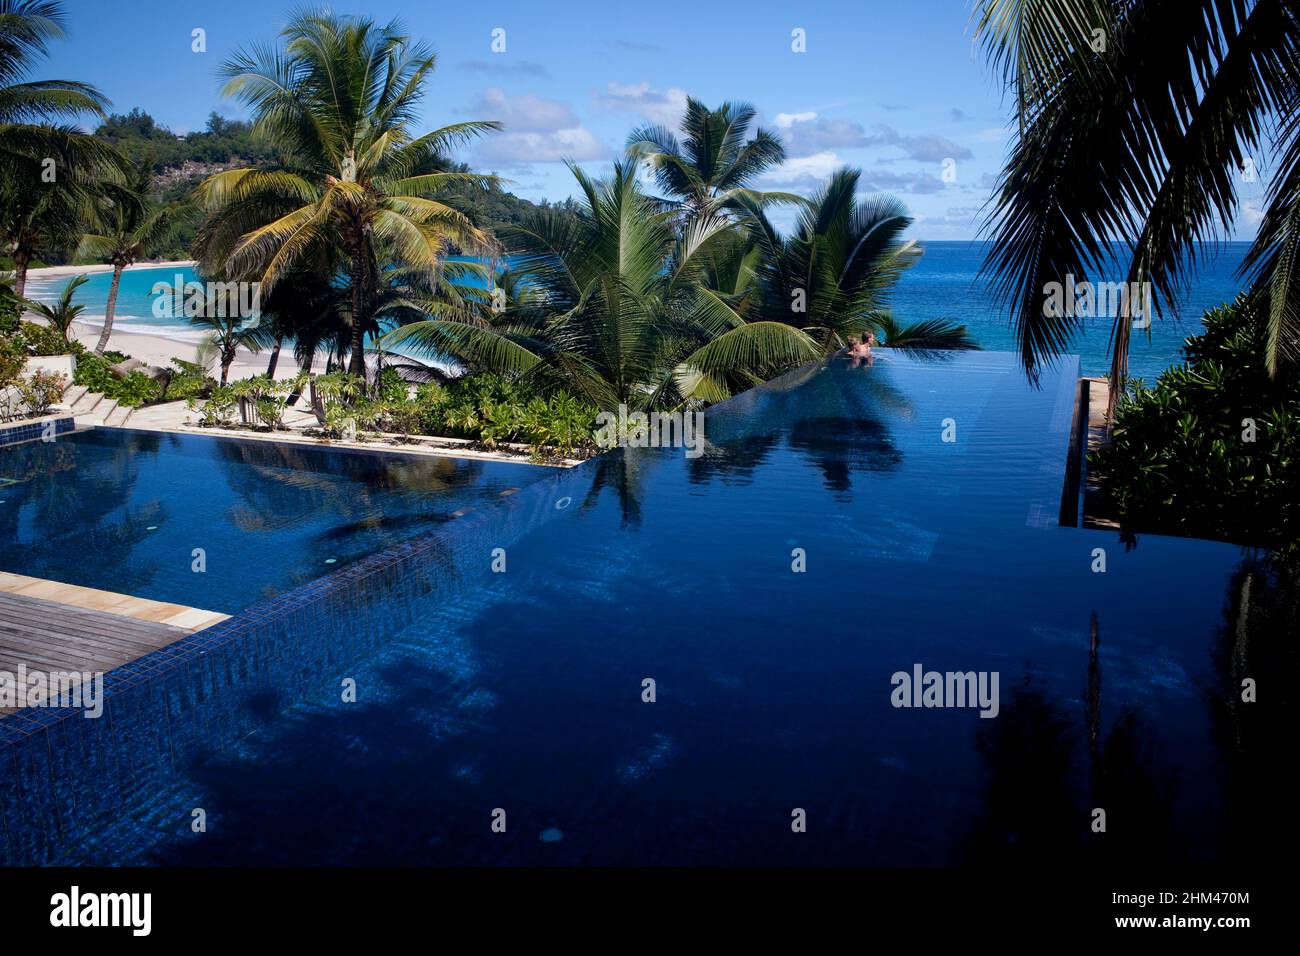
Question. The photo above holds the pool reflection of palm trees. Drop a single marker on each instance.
(1047, 771)
(89, 516)
(833, 415)
(1255, 655)
(618, 471)
(278, 485)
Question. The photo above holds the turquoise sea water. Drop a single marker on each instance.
(946, 282)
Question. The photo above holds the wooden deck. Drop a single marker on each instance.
(67, 635)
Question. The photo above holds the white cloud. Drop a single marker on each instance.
(662, 107)
(802, 172)
(786, 120)
(511, 149)
(807, 134)
(806, 173)
(524, 112)
(537, 130)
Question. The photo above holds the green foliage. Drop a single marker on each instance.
(391, 387)
(265, 399)
(136, 389)
(45, 340)
(1213, 450)
(491, 409)
(145, 143)
(218, 409)
(188, 381)
(41, 389)
(13, 359)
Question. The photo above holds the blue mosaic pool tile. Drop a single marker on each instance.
(164, 708)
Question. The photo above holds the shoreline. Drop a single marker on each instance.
(67, 272)
(160, 348)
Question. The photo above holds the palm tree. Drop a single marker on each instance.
(339, 100)
(62, 313)
(1137, 118)
(714, 162)
(614, 311)
(46, 168)
(832, 275)
(227, 333)
(128, 224)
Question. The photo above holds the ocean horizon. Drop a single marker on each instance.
(945, 283)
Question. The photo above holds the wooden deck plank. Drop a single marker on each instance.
(45, 635)
(135, 608)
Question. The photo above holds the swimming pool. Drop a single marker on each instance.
(135, 511)
(918, 497)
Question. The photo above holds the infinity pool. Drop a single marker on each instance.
(127, 510)
(845, 524)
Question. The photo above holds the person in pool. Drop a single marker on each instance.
(860, 352)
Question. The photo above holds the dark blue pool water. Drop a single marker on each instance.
(125, 510)
(523, 690)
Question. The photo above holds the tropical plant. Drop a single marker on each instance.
(1213, 448)
(714, 162)
(11, 306)
(616, 314)
(47, 165)
(134, 389)
(63, 312)
(217, 409)
(41, 389)
(268, 398)
(338, 99)
(831, 276)
(1137, 118)
(126, 226)
(227, 333)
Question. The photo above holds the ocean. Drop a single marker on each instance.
(945, 283)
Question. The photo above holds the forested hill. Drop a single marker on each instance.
(180, 162)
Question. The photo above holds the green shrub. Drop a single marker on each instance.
(43, 340)
(188, 381)
(1213, 449)
(391, 387)
(13, 359)
(41, 389)
(218, 409)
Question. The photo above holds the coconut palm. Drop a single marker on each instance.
(339, 99)
(832, 275)
(1137, 118)
(226, 334)
(63, 312)
(714, 162)
(127, 224)
(46, 164)
(614, 311)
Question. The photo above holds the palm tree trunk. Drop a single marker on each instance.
(357, 365)
(21, 261)
(108, 312)
(227, 356)
(275, 357)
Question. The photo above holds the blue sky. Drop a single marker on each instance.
(895, 89)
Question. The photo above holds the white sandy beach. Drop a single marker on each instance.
(158, 347)
(67, 272)
(161, 349)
